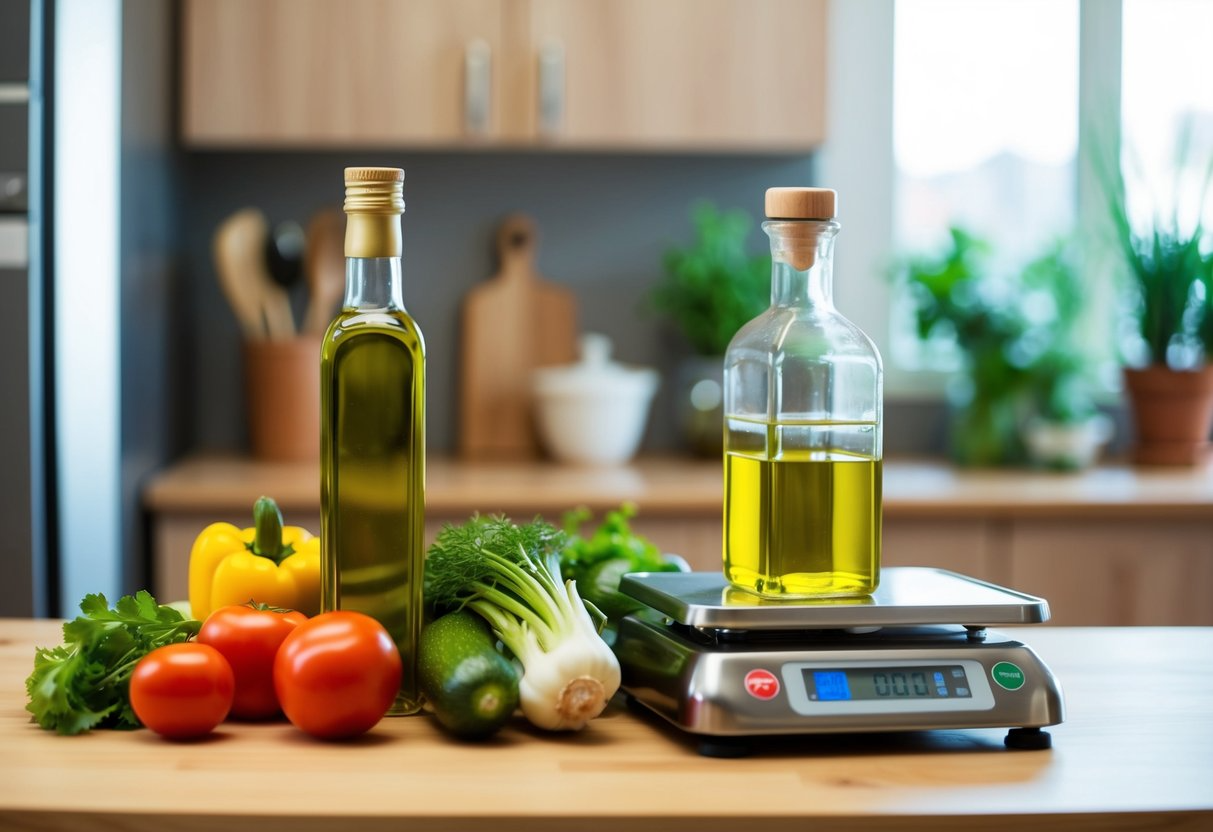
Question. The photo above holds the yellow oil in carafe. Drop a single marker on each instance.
(802, 522)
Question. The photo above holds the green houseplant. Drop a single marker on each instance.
(1023, 376)
(713, 286)
(1065, 429)
(710, 288)
(1169, 303)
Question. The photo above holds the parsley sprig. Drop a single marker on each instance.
(83, 683)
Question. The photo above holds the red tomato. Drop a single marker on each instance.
(249, 639)
(337, 674)
(182, 691)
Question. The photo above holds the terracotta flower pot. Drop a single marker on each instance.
(1173, 411)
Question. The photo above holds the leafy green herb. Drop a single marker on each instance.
(83, 683)
(598, 562)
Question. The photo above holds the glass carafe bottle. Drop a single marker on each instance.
(803, 393)
(372, 463)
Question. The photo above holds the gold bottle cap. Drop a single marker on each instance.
(801, 203)
(374, 200)
(374, 191)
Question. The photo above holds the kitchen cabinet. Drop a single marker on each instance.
(682, 73)
(1110, 546)
(726, 75)
(321, 72)
(1128, 571)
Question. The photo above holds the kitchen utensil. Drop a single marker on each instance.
(237, 235)
(324, 269)
(593, 412)
(284, 253)
(261, 306)
(915, 655)
(512, 324)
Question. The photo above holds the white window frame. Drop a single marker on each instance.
(857, 160)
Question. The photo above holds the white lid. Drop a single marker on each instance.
(595, 374)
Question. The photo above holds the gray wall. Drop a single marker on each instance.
(604, 222)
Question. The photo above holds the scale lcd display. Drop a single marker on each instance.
(887, 683)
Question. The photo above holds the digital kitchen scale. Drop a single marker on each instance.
(916, 655)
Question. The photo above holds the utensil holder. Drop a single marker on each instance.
(282, 389)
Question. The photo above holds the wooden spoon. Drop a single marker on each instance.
(261, 306)
(324, 269)
(235, 241)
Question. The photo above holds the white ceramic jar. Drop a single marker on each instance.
(593, 412)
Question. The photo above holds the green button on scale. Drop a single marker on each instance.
(1007, 675)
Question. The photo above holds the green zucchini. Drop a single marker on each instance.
(471, 687)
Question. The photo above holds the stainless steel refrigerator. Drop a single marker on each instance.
(27, 574)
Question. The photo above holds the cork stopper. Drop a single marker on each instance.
(797, 244)
(801, 203)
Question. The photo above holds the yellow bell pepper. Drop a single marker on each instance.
(268, 563)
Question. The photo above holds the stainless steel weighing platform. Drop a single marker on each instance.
(916, 655)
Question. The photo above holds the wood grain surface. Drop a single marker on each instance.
(512, 324)
(1134, 753)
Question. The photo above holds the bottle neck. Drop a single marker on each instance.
(802, 255)
(373, 283)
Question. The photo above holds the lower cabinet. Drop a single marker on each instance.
(1128, 572)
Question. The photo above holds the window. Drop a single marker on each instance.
(985, 124)
(985, 136)
(1145, 59)
(1167, 102)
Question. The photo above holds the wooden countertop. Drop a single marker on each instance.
(1135, 752)
(684, 486)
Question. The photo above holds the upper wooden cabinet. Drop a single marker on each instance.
(330, 72)
(747, 74)
(609, 74)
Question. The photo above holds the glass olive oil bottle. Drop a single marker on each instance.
(372, 376)
(803, 401)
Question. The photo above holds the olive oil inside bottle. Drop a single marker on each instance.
(802, 522)
(373, 477)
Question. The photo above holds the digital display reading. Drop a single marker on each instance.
(887, 683)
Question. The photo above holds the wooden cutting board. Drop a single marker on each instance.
(513, 323)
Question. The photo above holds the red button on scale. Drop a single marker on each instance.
(761, 684)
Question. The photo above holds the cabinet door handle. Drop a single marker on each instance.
(477, 87)
(551, 88)
(14, 93)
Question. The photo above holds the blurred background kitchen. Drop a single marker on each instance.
(997, 161)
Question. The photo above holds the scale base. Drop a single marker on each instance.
(701, 681)
(731, 748)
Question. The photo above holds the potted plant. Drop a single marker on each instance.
(1169, 300)
(1066, 429)
(710, 289)
(957, 301)
(1022, 395)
